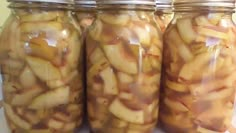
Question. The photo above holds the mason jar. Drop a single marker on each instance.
(124, 55)
(40, 61)
(200, 68)
(85, 11)
(164, 13)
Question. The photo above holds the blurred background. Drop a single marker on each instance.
(4, 12)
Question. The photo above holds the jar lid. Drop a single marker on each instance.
(163, 4)
(85, 2)
(207, 3)
(126, 2)
(45, 1)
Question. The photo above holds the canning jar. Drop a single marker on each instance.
(164, 13)
(200, 68)
(124, 54)
(40, 54)
(85, 11)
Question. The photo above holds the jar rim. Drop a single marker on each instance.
(45, 1)
(204, 3)
(126, 2)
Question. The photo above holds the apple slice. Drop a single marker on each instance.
(25, 97)
(143, 35)
(205, 130)
(215, 18)
(176, 86)
(118, 123)
(41, 16)
(51, 99)
(120, 59)
(96, 56)
(96, 30)
(185, 29)
(110, 82)
(27, 78)
(13, 117)
(125, 78)
(114, 19)
(55, 124)
(181, 49)
(215, 32)
(70, 126)
(40, 26)
(43, 69)
(192, 68)
(175, 105)
(122, 112)
(202, 21)
(39, 131)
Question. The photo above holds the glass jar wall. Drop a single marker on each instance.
(199, 69)
(40, 54)
(164, 13)
(124, 54)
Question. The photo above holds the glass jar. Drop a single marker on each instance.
(85, 11)
(164, 13)
(124, 55)
(200, 68)
(40, 60)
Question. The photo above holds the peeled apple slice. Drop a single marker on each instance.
(43, 69)
(191, 68)
(125, 78)
(39, 131)
(204, 130)
(122, 112)
(211, 31)
(120, 59)
(143, 35)
(41, 16)
(25, 97)
(109, 79)
(121, 19)
(15, 118)
(176, 86)
(41, 26)
(183, 51)
(51, 99)
(202, 21)
(27, 78)
(185, 29)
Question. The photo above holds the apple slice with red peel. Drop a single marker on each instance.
(120, 59)
(110, 82)
(25, 97)
(186, 30)
(51, 99)
(43, 69)
(13, 117)
(175, 105)
(124, 113)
